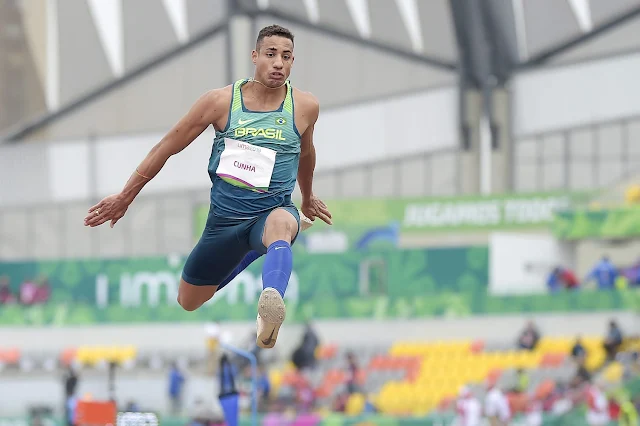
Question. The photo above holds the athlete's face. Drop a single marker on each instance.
(273, 60)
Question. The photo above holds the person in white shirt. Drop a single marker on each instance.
(496, 405)
(533, 411)
(468, 409)
(215, 335)
(597, 404)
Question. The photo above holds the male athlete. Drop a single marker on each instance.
(264, 139)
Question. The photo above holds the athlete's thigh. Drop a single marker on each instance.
(256, 237)
(217, 253)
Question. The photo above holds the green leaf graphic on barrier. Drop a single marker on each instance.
(467, 283)
(12, 315)
(477, 258)
(356, 307)
(457, 305)
(82, 314)
(71, 274)
(620, 222)
(407, 273)
(580, 226)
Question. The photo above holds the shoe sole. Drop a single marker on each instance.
(272, 311)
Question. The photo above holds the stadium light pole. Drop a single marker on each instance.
(254, 378)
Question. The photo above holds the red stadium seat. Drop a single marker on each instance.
(68, 356)
(553, 359)
(10, 356)
(477, 346)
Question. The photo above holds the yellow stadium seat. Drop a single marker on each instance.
(613, 372)
(355, 404)
(111, 354)
(90, 355)
(397, 349)
(530, 359)
(100, 353)
(595, 359)
(632, 194)
(82, 355)
(421, 410)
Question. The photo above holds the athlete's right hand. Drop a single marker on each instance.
(111, 208)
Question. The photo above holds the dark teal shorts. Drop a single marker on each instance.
(223, 244)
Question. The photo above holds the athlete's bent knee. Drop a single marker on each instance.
(191, 297)
(188, 304)
(281, 225)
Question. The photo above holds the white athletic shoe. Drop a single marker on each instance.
(271, 314)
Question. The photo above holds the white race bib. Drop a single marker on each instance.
(246, 166)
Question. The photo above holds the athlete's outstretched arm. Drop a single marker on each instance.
(307, 164)
(312, 206)
(204, 112)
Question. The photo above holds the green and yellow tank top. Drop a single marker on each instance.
(254, 160)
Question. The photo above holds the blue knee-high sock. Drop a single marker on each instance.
(246, 261)
(277, 266)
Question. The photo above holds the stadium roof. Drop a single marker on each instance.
(533, 29)
(102, 45)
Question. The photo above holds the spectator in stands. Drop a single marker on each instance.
(352, 373)
(562, 278)
(605, 273)
(468, 409)
(578, 351)
(215, 336)
(632, 274)
(340, 401)
(613, 340)
(203, 415)
(560, 401)
(522, 384)
(496, 405)
(70, 383)
(132, 407)
(628, 412)
(305, 396)
(305, 354)
(6, 297)
(28, 292)
(597, 404)
(43, 291)
(633, 369)
(529, 337)
(582, 373)
(70, 410)
(264, 389)
(369, 405)
(533, 411)
(176, 384)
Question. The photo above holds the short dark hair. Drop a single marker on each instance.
(273, 30)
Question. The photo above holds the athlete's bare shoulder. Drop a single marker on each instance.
(217, 103)
(305, 100)
(215, 98)
(307, 109)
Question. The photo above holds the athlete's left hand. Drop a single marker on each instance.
(314, 207)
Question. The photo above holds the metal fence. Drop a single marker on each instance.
(585, 157)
